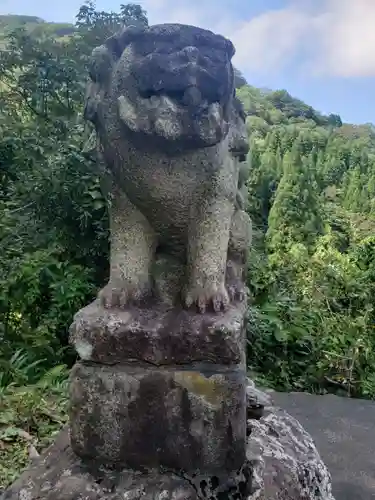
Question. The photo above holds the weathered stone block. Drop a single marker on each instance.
(190, 419)
(159, 335)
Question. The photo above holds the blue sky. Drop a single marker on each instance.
(321, 51)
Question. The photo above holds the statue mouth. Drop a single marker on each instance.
(178, 102)
(190, 96)
(189, 100)
(175, 115)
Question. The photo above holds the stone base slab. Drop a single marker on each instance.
(159, 335)
(190, 419)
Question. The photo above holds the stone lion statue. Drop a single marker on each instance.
(172, 137)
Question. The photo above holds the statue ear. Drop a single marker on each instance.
(103, 57)
(238, 106)
(119, 41)
(92, 100)
(238, 143)
(101, 63)
(230, 49)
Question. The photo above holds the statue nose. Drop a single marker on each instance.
(191, 53)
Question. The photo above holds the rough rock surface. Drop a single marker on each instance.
(282, 464)
(284, 460)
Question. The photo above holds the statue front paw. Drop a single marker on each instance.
(208, 296)
(119, 294)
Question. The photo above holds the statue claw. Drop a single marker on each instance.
(206, 297)
(120, 295)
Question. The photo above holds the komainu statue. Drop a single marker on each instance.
(173, 139)
(160, 405)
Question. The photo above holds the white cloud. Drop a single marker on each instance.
(346, 32)
(268, 41)
(330, 37)
(321, 37)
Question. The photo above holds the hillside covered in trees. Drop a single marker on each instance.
(32, 25)
(311, 266)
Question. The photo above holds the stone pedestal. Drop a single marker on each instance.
(184, 419)
(159, 336)
(159, 387)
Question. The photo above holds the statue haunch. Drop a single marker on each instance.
(172, 137)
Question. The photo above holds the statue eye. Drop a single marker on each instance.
(165, 48)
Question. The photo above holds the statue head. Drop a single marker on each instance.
(172, 83)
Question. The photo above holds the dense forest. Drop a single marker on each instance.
(311, 199)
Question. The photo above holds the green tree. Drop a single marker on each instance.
(53, 218)
(296, 214)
